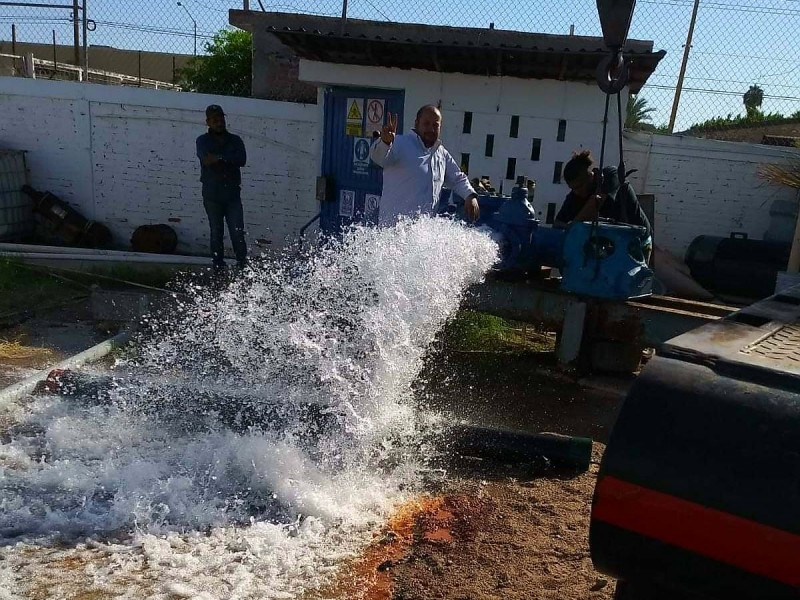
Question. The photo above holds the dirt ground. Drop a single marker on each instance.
(503, 540)
(496, 534)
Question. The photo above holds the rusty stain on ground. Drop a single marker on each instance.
(505, 539)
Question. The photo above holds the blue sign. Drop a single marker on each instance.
(361, 156)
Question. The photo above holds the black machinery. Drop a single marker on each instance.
(699, 488)
(698, 494)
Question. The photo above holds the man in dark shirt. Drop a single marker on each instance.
(222, 155)
(615, 201)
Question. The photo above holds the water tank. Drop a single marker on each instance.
(736, 265)
(16, 214)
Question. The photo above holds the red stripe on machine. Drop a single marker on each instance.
(745, 544)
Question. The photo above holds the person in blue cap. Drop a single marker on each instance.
(222, 156)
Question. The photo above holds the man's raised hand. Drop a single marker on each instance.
(389, 130)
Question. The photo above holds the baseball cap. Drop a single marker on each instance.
(214, 109)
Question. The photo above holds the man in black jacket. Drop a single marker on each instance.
(222, 155)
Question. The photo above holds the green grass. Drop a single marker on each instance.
(472, 331)
(22, 288)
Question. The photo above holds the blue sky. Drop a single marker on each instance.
(736, 43)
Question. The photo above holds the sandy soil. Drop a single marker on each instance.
(488, 534)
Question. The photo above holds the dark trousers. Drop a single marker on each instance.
(224, 203)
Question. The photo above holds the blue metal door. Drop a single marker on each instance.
(352, 117)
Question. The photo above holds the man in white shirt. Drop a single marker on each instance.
(415, 168)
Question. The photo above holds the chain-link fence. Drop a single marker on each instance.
(736, 43)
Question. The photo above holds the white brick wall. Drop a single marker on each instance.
(704, 187)
(540, 104)
(126, 157)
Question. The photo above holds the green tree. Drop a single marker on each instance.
(637, 115)
(753, 99)
(226, 68)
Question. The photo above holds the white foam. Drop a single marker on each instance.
(177, 491)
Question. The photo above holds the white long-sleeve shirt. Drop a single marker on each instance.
(413, 176)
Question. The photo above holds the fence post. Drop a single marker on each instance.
(85, 43)
(76, 32)
(55, 57)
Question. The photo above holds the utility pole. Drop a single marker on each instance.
(344, 15)
(686, 51)
(76, 32)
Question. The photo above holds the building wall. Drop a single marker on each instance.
(276, 71)
(493, 101)
(151, 65)
(704, 187)
(126, 156)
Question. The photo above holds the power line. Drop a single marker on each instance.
(737, 8)
(155, 29)
(746, 56)
(780, 85)
(720, 92)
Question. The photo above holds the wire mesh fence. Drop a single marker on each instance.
(736, 43)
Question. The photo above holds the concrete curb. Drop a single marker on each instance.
(93, 354)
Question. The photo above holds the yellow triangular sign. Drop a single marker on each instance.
(355, 111)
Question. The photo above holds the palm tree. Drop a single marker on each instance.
(638, 113)
(753, 99)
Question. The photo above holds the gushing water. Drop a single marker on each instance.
(257, 436)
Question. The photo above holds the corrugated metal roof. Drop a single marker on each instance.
(446, 49)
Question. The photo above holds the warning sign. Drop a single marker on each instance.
(361, 156)
(354, 109)
(372, 204)
(347, 202)
(355, 117)
(375, 113)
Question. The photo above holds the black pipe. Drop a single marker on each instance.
(508, 446)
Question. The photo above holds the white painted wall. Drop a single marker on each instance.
(126, 157)
(704, 187)
(540, 104)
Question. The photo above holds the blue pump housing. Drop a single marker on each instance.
(602, 261)
(526, 246)
(606, 261)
